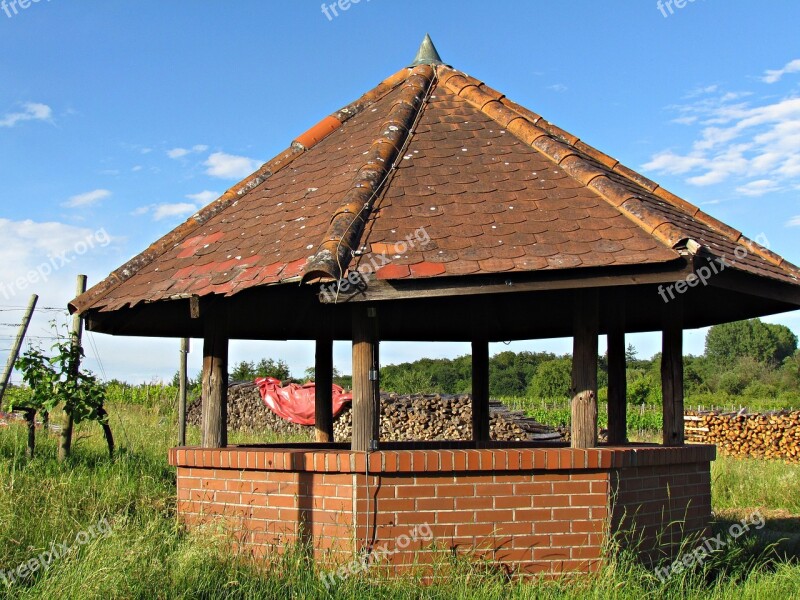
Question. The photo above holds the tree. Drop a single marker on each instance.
(58, 381)
(553, 379)
(766, 343)
(630, 354)
(311, 373)
(266, 367)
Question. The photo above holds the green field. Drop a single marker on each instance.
(144, 553)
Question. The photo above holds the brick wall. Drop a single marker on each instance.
(528, 510)
(656, 507)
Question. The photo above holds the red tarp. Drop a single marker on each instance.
(295, 402)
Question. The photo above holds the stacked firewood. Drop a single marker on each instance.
(246, 411)
(444, 417)
(403, 418)
(764, 435)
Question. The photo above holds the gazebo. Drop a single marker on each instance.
(433, 208)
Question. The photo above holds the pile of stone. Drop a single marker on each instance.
(403, 418)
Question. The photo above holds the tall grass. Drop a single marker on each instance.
(149, 555)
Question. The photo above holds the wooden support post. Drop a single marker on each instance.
(672, 374)
(215, 381)
(366, 386)
(584, 370)
(12, 358)
(617, 379)
(182, 384)
(323, 390)
(480, 389)
(65, 441)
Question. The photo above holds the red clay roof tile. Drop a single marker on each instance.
(485, 185)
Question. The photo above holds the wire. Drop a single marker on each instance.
(90, 337)
(392, 168)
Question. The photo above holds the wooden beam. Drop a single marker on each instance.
(182, 385)
(480, 389)
(672, 374)
(584, 370)
(735, 280)
(323, 390)
(433, 287)
(215, 382)
(617, 380)
(366, 395)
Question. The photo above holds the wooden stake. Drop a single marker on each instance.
(323, 390)
(65, 442)
(584, 370)
(12, 358)
(480, 389)
(617, 379)
(366, 386)
(182, 384)
(215, 382)
(672, 374)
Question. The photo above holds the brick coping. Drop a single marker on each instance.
(307, 458)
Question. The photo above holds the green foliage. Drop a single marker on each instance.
(447, 376)
(553, 379)
(763, 342)
(266, 367)
(58, 381)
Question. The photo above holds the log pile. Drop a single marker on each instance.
(403, 418)
(763, 435)
(445, 417)
(246, 412)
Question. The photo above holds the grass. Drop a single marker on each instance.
(148, 555)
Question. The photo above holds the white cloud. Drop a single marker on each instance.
(32, 111)
(748, 142)
(177, 152)
(794, 222)
(758, 188)
(674, 164)
(137, 168)
(181, 152)
(774, 76)
(164, 211)
(229, 166)
(204, 197)
(87, 199)
(177, 209)
(558, 87)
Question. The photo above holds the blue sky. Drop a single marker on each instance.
(119, 119)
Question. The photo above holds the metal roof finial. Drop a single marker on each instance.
(427, 54)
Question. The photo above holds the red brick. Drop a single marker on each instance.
(435, 504)
(512, 502)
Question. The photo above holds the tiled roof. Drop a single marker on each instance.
(431, 174)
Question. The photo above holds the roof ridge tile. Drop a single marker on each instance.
(347, 223)
(553, 148)
(300, 145)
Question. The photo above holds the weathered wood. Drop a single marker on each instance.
(617, 380)
(434, 287)
(480, 389)
(672, 374)
(65, 439)
(215, 382)
(584, 370)
(771, 435)
(366, 397)
(12, 358)
(182, 384)
(323, 390)
(752, 285)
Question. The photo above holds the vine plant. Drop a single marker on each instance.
(58, 381)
